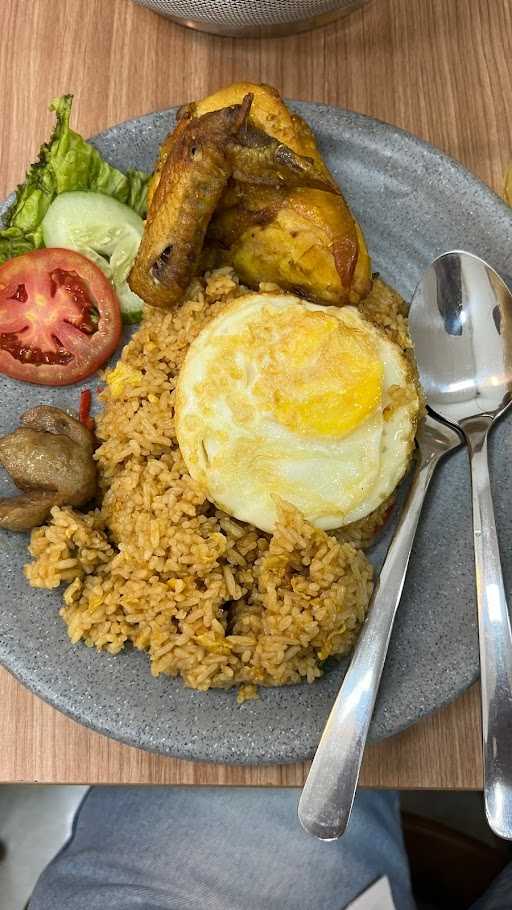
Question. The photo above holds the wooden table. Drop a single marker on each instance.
(439, 68)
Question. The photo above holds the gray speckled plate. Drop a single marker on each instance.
(413, 203)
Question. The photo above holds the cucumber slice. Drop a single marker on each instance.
(130, 303)
(104, 230)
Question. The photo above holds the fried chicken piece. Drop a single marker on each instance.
(258, 159)
(190, 183)
(50, 458)
(304, 240)
(196, 162)
(299, 239)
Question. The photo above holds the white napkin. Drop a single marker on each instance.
(377, 897)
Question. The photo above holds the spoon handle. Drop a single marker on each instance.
(495, 638)
(328, 794)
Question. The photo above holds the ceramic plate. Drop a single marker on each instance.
(413, 203)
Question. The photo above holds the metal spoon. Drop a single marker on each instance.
(461, 323)
(328, 794)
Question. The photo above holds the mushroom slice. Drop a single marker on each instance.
(51, 459)
(53, 420)
(21, 513)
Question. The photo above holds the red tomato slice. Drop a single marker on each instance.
(59, 317)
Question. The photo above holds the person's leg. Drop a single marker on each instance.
(220, 849)
(499, 895)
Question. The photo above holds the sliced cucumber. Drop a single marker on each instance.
(105, 231)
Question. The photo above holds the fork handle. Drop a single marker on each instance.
(328, 794)
(494, 635)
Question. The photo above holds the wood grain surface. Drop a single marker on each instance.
(439, 68)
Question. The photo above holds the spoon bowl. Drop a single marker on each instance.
(461, 324)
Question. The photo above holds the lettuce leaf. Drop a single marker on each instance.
(66, 162)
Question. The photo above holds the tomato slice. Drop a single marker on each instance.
(59, 317)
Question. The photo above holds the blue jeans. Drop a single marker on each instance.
(165, 848)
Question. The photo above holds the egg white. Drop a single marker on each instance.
(246, 460)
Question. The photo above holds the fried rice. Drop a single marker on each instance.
(209, 598)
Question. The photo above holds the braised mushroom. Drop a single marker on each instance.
(49, 458)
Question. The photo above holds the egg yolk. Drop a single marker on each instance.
(323, 378)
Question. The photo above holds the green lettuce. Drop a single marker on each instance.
(66, 162)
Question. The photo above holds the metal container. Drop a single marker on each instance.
(251, 18)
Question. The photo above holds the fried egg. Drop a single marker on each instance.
(282, 399)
